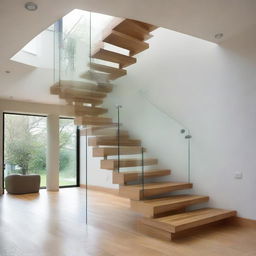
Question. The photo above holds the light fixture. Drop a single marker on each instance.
(30, 6)
(218, 36)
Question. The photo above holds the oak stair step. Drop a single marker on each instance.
(188, 220)
(86, 100)
(112, 141)
(156, 207)
(122, 60)
(112, 164)
(123, 177)
(98, 77)
(133, 29)
(136, 192)
(92, 120)
(113, 151)
(147, 26)
(56, 88)
(102, 132)
(114, 73)
(132, 44)
(84, 110)
(82, 93)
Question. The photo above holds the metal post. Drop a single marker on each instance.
(118, 137)
(188, 137)
(142, 171)
(86, 177)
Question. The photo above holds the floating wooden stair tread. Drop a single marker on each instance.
(87, 100)
(147, 26)
(133, 29)
(135, 192)
(122, 177)
(82, 93)
(113, 151)
(112, 164)
(84, 110)
(154, 207)
(185, 221)
(127, 42)
(56, 88)
(122, 60)
(112, 141)
(114, 73)
(102, 132)
(92, 120)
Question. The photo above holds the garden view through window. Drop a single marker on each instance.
(25, 145)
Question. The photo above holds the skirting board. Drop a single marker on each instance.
(112, 191)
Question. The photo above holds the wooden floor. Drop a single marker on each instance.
(53, 224)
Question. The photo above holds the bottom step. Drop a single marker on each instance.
(188, 220)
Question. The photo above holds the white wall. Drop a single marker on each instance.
(209, 88)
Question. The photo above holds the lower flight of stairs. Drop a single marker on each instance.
(165, 215)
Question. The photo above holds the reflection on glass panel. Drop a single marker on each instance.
(68, 167)
(25, 145)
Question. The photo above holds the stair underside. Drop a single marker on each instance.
(136, 192)
(188, 220)
(122, 177)
(113, 151)
(114, 73)
(86, 100)
(122, 40)
(154, 207)
(122, 60)
(112, 164)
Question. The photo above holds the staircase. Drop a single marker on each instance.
(165, 215)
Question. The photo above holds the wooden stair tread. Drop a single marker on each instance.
(114, 73)
(85, 110)
(102, 132)
(56, 88)
(127, 42)
(113, 151)
(147, 26)
(112, 164)
(112, 141)
(133, 29)
(81, 93)
(122, 60)
(87, 100)
(153, 207)
(155, 185)
(92, 120)
(136, 192)
(184, 221)
(123, 177)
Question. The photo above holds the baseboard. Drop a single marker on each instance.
(244, 222)
(111, 191)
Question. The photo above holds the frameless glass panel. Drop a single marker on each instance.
(68, 153)
(25, 145)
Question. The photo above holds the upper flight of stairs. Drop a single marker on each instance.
(165, 215)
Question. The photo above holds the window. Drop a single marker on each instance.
(25, 145)
(69, 153)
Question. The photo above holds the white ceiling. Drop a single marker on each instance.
(199, 18)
